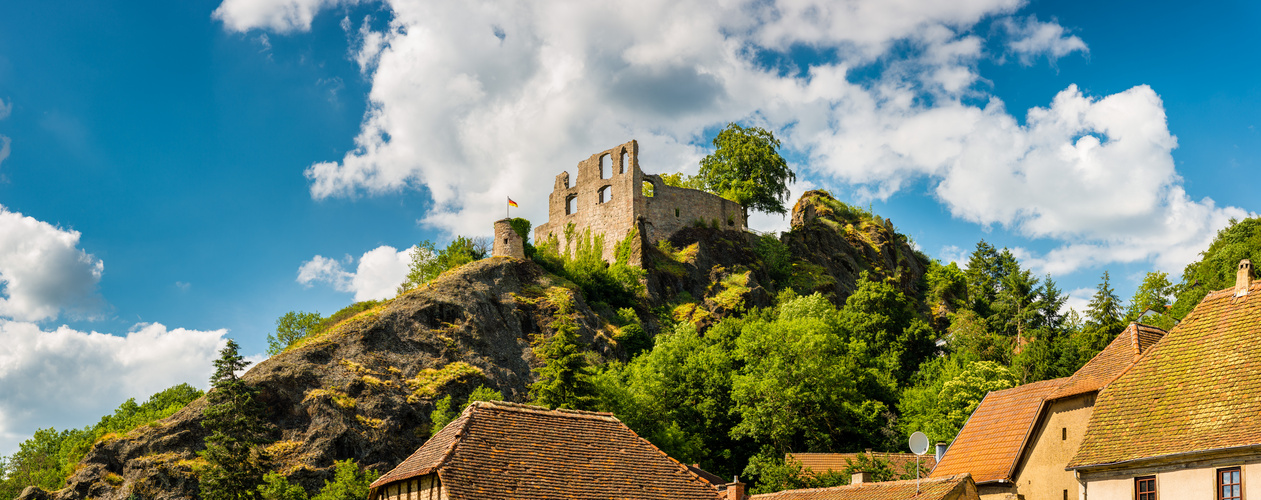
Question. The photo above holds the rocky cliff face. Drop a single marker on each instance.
(845, 241)
(365, 388)
(829, 246)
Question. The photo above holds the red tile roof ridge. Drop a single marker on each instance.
(865, 486)
(1226, 292)
(997, 401)
(565, 412)
(400, 472)
(542, 410)
(1102, 369)
(687, 470)
(1033, 424)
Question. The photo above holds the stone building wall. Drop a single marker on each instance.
(607, 196)
(672, 208)
(507, 242)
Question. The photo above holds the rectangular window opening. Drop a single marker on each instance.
(1145, 488)
(1229, 484)
(1063, 433)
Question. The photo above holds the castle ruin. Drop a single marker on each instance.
(610, 196)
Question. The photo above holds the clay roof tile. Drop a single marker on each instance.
(958, 486)
(1198, 389)
(991, 441)
(506, 450)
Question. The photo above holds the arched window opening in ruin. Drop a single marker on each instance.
(648, 189)
(571, 204)
(621, 163)
(603, 194)
(604, 166)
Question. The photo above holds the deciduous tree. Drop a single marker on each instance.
(746, 168)
(290, 328)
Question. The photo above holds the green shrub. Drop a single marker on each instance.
(349, 483)
(50, 456)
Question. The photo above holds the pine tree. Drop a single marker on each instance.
(1103, 319)
(982, 277)
(565, 380)
(237, 429)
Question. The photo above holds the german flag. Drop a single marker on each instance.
(511, 203)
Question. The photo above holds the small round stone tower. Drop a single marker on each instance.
(507, 242)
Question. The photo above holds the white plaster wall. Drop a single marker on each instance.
(1112, 489)
(1190, 484)
(1251, 489)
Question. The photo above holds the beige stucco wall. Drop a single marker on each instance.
(995, 492)
(1042, 476)
(1176, 484)
(1252, 471)
(1190, 484)
(1117, 489)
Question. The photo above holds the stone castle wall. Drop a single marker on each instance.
(607, 196)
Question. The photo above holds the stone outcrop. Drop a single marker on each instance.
(363, 389)
(845, 241)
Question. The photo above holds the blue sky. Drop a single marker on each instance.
(181, 171)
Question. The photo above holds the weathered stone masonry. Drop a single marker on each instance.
(507, 242)
(607, 196)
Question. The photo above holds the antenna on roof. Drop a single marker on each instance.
(919, 446)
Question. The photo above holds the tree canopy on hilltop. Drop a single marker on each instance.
(746, 168)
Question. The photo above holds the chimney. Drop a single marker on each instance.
(1243, 279)
(735, 490)
(860, 477)
(941, 451)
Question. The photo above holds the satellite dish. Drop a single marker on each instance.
(919, 443)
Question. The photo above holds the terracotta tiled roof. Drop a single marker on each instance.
(1199, 389)
(1122, 352)
(505, 450)
(990, 442)
(836, 462)
(957, 487)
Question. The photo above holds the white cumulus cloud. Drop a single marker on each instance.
(42, 270)
(377, 275)
(475, 102)
(1031, 38)
(279, 15)
(66, 378)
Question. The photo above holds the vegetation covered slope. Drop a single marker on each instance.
(363, 389)
(735, 348)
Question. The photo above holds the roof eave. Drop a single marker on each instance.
(1144, 461)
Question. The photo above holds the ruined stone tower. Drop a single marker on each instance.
(507, 242)
(610, 195)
